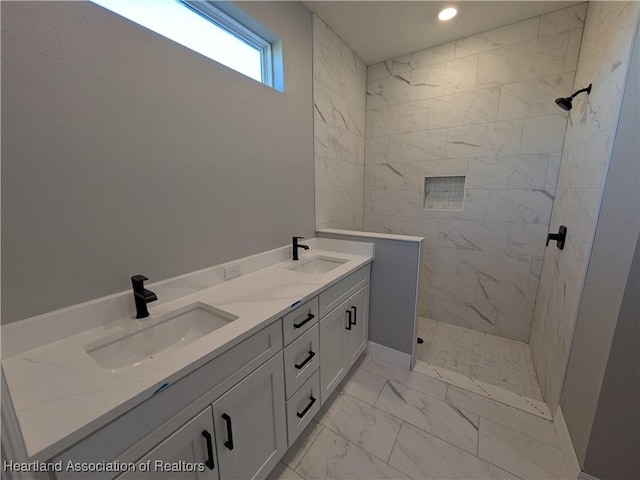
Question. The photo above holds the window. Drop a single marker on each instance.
(217, 30)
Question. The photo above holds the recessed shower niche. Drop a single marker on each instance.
(443, 193)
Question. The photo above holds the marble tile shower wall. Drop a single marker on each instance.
(604, 60)
(482, 107)
(339, 86)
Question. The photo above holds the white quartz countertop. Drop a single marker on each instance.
(60, 394)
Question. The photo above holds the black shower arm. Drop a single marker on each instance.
(588, 90)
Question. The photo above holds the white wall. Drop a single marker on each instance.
(604, 61)
(482, 107)
(125, 153)
(339, 102)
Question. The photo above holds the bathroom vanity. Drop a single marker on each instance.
(226, 403)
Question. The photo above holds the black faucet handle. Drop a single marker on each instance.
(298, 238)
(137, 282)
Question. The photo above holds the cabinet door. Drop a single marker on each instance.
(358, 335)
(333, 349)
(189, 453)
(250, 424)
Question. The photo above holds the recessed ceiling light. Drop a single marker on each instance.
(447, 13)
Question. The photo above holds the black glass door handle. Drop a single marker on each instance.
(310, 317)
(229, 442)
(209, 462)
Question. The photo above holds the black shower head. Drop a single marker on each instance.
(566, 102)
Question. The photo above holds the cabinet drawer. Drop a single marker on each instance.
(303, 406)
(334, 296)
(301, 359)
(300, 320)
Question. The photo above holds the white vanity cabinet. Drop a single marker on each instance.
(344, 329)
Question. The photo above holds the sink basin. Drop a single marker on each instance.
(318, 265)
(170, 332)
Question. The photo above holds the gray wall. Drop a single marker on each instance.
(615, 437)
(611, 257)
(125, 153)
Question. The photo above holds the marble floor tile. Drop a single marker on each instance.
(431, 415)
(302, 444)
(518, 453)
(363, 384)
(408, 378)
(515, 419)
(282, 472)
(371, 429)
(333, 457)
(421, 455)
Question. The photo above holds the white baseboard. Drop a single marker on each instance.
(566, 446)
(389, 355)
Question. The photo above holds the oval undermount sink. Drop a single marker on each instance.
(318, 265)
(147, 341)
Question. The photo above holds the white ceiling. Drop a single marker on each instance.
(381, 30)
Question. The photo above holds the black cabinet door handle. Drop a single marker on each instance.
(355, 314)
(310, 317)
(306, 360)
(348, 327)
(306, 409)
(209, 462)
(229, 442)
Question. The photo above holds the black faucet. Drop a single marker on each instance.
(141, 295)
(296, 246)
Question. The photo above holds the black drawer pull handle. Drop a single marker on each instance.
(209, 462)
(310, 317)
(306, 409)
(355, 314)
(348, 327)
(229, 442)
(306, 360)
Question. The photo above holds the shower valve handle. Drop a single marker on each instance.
(558, 237)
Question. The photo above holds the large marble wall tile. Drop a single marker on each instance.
(334, 175)
(474, 235)
(379, 70)
(498, 37)
(508, 172)
(527, 238)
(506, 298)
(384, 176)
(444, 78)
(573, 50)
(415, 172)
(533, 59)
(494, 267)
(544, 134)
(431, 415)
(474, 208)
(424, 227)
(332, 142)
(466, 315)
(578, 209)
(516, 327)
(376, 150)
(332, 108)
(519, 206)
(518, 453)
(370, 428)
(421, 455)
(331, 456)
(393, 202)
(552, 172)
(450, 287)
(403, 118)
(424, 58)
(534, 97)
(417, 146)
(388, 91)
(562, 20)
(339, 209)
(583, 165)
(499, 138)
(467, 108)
(437, 260)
